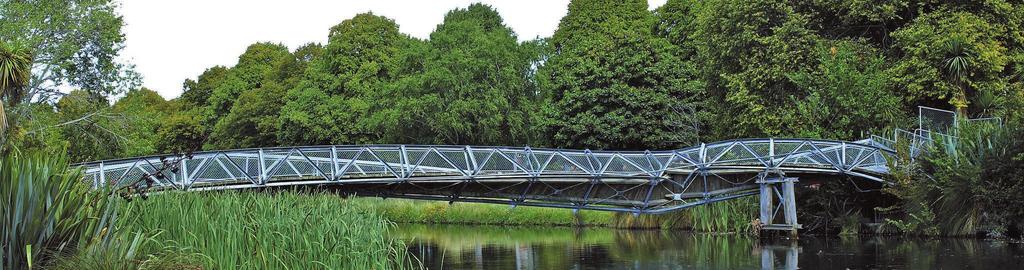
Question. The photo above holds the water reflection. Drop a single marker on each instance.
(487, 247)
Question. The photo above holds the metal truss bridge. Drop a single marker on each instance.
(635, 182)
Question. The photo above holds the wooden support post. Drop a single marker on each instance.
(767, 207)
(783, 189)
(789, 204)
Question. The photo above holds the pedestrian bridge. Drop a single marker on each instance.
(623, 181)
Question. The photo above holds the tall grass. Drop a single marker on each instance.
(259, 230)
(47, 209)
(946, 190)
(734, 216)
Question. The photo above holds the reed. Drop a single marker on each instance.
(260, 230)
(733, 216)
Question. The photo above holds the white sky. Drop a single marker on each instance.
(170, 41)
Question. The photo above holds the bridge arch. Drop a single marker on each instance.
(622, 181)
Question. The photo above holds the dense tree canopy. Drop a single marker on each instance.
(747, 59)
(197, 92)
(615, 75)
(89, 138)
(473, 87)
(143, 110)
(333, 101)
(613, 83)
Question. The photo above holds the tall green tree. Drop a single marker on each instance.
(252, 121)
(253, 118)
(15, 68)
(953, 57)
(197, 93)
(74, 43)
(257, 64)
(181, 132)
(613, 83)
(746, 50)
(258, 68)
(342, 90)
(90, 131)
(474, 87)
(142, 111)
(848, 94)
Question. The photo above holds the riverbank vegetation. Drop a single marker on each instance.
(277, 230)
(614, 75)
(723, 217)
(708, 71)
(47, 210)
(964, 186)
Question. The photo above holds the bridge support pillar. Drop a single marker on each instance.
(782, 189)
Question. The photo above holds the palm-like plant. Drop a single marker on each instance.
(15, 68)
(957, 65)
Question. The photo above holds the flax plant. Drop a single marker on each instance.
(47, 209)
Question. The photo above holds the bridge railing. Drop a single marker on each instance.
(340, 164)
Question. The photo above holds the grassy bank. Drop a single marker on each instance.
(730, 216)
(432, 212)
(254, 230)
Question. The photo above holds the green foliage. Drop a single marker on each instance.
(407, 211)
(197, 93)
(722, 217)
(74, 43)
(474, 85)
(181, 132)
(1001, 174)
(257, 65)
(953, 56)
(47, 209)
(337, 99)
(142, 110)
(848, 91)
(15, 67)
(617, 76)
(123, 256)
(960, 187)
(91, 133)
(613, 84)
(735, 216)
(88, 128)
(747, 50)
(252, 121)
(244, 105)
(277, 230)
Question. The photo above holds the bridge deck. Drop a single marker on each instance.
(640, 182)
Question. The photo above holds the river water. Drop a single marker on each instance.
(490, 247)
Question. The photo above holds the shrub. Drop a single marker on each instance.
(47, 209)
